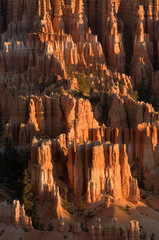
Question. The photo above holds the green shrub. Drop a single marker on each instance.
(135, 96)
(152, 189)
(1, 130)
(1, 232)
(27, 194)
(35, 219)
(65, 198)
(70, 227)
(121, 231)
(141, 178)
(144, 196)
(71, 93)
(13, 162)
(61, 91)
(102, 75)
(84, 227)
(143, 235)
(81, 206)
(153, 236)
(70, 72)
(40, 81)
(51, 228)
(83, 83)
(144, 92)
(127, 207)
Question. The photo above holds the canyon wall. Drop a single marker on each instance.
(131, 123)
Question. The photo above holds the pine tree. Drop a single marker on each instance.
(2, 167)
(65, 197)
(51, 228)
(1, 130)
(137, 166)
(81, 207)
(27, 194)
(141, 179)
(152, 188)
(11, 159)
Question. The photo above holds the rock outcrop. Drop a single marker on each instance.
(55, 39)
(124, 112)
(42, 181)
(96, 168)
(51, 116)
(14, 214)
(141, 66)
(141, 142)
(99, 231)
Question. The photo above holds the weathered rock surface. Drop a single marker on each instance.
(14, 214)
(123, 111)
(101, 231)
(51, 116)
(42, 181)
(95, 168)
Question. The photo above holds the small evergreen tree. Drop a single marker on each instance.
(40, 81)
(135, 96)
(81, 207)
(153, 236)
(89, 210)
(11, 158)
(144, 92)
(61, 91)
(2, 167)
(70, 72)
(1, 130)
(102, 75)
(121, 231)
(65, 197)
(137, 166)
(27, 194)
(51, 228)
(141, 179)
(152, 188)
(83, 83)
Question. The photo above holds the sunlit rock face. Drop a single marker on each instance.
(98, 168)
(42, 181)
